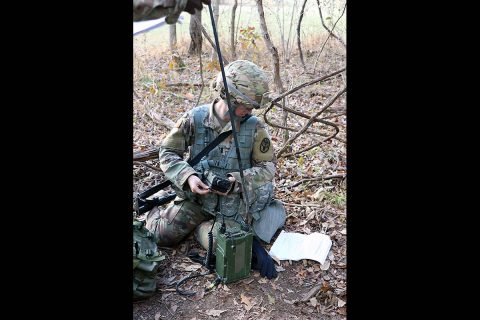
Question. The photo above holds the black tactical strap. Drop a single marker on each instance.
(191, 162)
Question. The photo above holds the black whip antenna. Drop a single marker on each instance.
(230, 109)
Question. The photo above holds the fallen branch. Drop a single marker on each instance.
(305, 127)
(335, 176)
(306, 84)
(177, 95)
(146, 155)
(180, 84)
(307, 148)
(311, 293)
(335, 115)
(147, 165)
(313, 119)
(302, 205)
(308, 131)
(298, 113)
(160, 118)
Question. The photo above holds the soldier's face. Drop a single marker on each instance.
(242, 110)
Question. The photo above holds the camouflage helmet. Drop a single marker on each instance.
(247, 84)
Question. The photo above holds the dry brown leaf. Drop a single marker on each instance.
(214, 313)
(326, 265)
(248, 281)
(325, 286)
(198, 295)
(190, 267)
(173, 308)
(342, 311)
(311, 215)
(319, 194)
(246, 300)
(302, 273)
(271, 299)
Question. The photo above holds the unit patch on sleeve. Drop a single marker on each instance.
(265, 145)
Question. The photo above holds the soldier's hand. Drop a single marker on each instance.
(195, 4)
(196, 185)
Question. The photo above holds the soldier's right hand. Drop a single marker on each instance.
(196, 185)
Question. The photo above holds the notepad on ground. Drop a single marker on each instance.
(297, 246)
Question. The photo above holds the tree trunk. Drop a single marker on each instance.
(216, 13)
(276, 62)
(298, 34)
(173, 37)
(196, 34)
(289, 44)
(232, 32)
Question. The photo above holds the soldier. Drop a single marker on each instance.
(155, 9)
(196, 203)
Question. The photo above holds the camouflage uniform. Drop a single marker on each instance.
(155, 9)
(171, 9)
(192, 132)
(186, 213)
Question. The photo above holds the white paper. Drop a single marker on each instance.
(297, 246)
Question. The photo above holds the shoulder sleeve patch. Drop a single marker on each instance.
(265, 145)
(262, 146)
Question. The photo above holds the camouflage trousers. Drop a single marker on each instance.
(173, 224)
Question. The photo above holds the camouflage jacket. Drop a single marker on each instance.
(155, 9)
(182, 136)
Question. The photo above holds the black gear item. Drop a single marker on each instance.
(192, 5)
(196, 257)
(261, 261)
